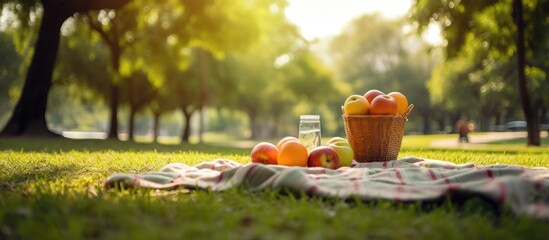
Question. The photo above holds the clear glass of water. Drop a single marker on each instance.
(309, 131)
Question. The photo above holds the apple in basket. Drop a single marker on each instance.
(323, 156)
(371, 94)
(401, 100)
(356, 105)
(264, 152)
(384, 105)
(343, 149)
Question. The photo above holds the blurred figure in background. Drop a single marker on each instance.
(462, 127)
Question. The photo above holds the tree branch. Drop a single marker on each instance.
(96, 26)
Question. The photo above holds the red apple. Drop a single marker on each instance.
(323, 156)
(371, 94)
(265, 153)
(384, 105)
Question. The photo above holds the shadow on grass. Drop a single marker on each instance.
(60, 145)
(12, 180)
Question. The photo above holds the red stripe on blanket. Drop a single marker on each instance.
(311, 189)
(502, 193)
(272, 181)
(385, 164)
(446, 179)
(451, 188)
(249, 171)
(219, 178)
(398, 193)
(538, 184)
(489, 173)
(356, 185)
(399, 176)
(432, 173)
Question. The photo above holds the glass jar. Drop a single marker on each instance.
(309, 131)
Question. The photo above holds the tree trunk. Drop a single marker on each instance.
(203, 90)
(133, 109)
(156, 125)
(29, 116)
(532, 120)
(113, 109)
(131, 123)
(187, 114)
(115, 91)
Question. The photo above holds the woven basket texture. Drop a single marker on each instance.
(375, 137)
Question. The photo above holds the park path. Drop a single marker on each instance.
(476, 139)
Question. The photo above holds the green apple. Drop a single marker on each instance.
(344, 152)
(343, 149)
(336, 139)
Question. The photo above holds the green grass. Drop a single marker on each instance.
(53, 190)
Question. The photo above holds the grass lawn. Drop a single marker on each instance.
(53, 190)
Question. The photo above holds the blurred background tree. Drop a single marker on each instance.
(181, 68)
(29, 115)
(482, 68)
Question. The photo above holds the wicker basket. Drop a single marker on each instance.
(376, 137)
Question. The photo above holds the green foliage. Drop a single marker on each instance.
(24, 9)
(478, 77)
(275, 78)
(9, 74)
(363, 57)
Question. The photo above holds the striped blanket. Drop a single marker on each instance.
(524, 190)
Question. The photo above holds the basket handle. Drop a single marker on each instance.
(408, 111)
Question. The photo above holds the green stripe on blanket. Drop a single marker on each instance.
(525, 190)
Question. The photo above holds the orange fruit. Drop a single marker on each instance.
(401, 100)
(293, 153)
(284, 140)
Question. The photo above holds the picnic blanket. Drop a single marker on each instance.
(524, 190)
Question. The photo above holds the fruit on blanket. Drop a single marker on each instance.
(264, 152)
(335, 139)
(284, 140)
(401, 100)
(292, 153)
(323, 156)
(384, 105)
(343, 149)
(371, 94)
(356, 105)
